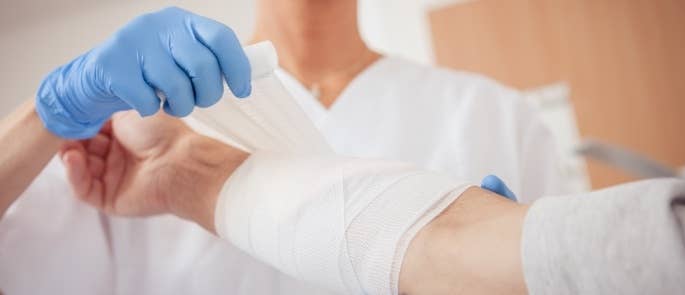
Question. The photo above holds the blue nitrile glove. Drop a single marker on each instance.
(496, 185)
(178, 53)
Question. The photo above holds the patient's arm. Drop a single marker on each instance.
(628, 239)
(25, 148)
(473, 247)
(443, 237)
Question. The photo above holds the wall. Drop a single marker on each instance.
(398, 27)
(622, 60)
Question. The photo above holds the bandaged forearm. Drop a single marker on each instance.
(337, 222)
(342, 223)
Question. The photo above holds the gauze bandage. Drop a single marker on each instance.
(339, 222)
(269, 119)
(342, 223)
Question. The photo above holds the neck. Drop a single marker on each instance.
(317, 41)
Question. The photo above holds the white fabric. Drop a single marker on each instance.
(456, 122)
(270, 119)
(453, 122)
(342, 223)
(627, 239)
(339, 222)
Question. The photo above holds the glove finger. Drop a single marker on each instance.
(224, 44)
(136, 93)
(496, 185)
(164, 75)
(203, 70)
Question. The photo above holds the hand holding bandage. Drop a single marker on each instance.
(177, 53)
(344, 223)
(340, 222)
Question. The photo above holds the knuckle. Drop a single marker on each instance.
(220, 35)
(201, 67)
(205, 67)
(175, 91)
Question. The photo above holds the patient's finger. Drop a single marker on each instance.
(96, 165)
(69, 145)
(106, 128)
(116, 166)
(75, 164)
(95, 195)
(99, 145)
(86, 187)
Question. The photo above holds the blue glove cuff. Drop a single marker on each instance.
(61, 122)
(496, 185)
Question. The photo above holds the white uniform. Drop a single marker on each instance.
(458, 123)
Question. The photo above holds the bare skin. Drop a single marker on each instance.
(26, 148)
(318, 42)
(473, 247)
(145, 166)
(158, 157)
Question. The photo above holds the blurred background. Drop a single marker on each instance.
(607, 75)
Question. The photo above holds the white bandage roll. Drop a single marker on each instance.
(269, 119)
(339, 222)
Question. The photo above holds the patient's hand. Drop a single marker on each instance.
(144, 166)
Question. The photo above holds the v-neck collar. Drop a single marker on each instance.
(317, 112)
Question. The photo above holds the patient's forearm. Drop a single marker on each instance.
(25, 147)
(622, 240)
(473, 247)
(375, 227)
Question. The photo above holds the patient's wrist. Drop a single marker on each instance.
(210, 162)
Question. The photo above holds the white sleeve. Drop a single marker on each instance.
(341, 223)
(539, 158)
(627, 239)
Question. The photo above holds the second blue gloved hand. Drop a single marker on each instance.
(182, 55)
(496, 185)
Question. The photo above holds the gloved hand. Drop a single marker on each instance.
(496, 185)
(173, 51)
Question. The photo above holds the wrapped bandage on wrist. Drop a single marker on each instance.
(342, 223)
